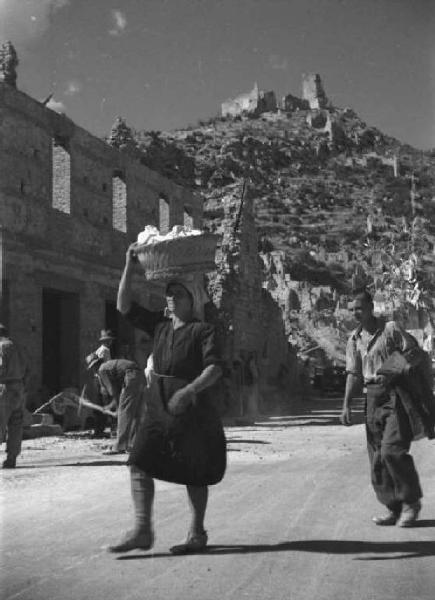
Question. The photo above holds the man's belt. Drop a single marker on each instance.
(5, 381)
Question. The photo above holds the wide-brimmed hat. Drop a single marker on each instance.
(106, 334)
(92, 359)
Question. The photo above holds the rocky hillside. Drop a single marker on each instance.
(347, 204)
(323, 182)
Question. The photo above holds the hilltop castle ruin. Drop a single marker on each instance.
(258, 101)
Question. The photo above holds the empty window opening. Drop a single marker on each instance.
(163, 215)
(61, 176)
(119, 199)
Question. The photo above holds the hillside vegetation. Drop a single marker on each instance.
(348, 204)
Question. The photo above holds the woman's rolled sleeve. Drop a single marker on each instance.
(210, 352)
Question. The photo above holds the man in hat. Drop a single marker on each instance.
(122, 381)
(105, 350)
(12, 380)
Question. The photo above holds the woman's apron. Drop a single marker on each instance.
(189, 448)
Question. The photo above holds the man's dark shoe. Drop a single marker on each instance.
(9, 463)
(134, 540)
(390, 518)
(409, 515)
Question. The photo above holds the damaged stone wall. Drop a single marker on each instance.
(69, 206)
(249, 320)
(254, 102)
(313, 92)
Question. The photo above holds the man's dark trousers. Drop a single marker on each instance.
(394, 477)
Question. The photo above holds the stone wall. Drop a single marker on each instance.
(290, 103)
(254, 102)
(250, 319)
(69, 206)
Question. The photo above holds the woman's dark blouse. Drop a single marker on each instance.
(190, 448)
(183, 352)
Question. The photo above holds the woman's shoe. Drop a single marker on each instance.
(134, 540)
(195, 543)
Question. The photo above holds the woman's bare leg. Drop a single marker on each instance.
(198, 497)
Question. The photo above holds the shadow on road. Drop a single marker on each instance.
(389, 550)
(314, 413)
(241, 441)
(91, 463)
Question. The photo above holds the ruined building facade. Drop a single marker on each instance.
(70, 204)
(313, 92)
(254, 102)
(258, 101)
(249, 320)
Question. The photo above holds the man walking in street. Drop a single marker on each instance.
(12, 381)
(123, 382)
(389, 433)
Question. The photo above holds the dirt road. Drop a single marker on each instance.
(291, 520)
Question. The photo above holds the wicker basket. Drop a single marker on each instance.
(178, 256)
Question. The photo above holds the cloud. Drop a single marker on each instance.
(119, 22)
(58, 107)
(24, 21)
(278, 62)
(73, 87)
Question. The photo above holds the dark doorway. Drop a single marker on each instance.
(60, 340)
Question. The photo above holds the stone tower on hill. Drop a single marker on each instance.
(313, 92)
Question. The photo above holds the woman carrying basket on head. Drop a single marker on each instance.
(181, 438)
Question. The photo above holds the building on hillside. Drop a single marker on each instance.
(69, 206)
(254, 102)
(290, 103)
(313, 91)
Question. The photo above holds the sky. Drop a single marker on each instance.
(165, 64)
